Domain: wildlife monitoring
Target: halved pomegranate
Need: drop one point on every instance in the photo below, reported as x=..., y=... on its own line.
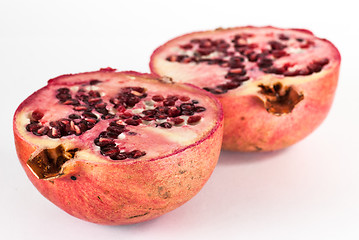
x=118, y=147
x=276, y=85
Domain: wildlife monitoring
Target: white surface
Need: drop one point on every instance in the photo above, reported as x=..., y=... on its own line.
x=308, y=191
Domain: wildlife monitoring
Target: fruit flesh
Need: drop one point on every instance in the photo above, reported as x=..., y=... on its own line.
x=251, y=122
x=209, y=75
x=149, y=136
x=96, y=188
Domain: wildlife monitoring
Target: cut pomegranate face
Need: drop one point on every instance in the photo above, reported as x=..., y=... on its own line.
x=118, y=147
x=276, y=85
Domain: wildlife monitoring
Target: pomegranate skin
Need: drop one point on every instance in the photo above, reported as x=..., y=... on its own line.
x=248, y=125
x=126, y=192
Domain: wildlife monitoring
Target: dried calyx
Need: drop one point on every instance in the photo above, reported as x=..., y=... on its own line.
x=279, y=100
x=48, y=163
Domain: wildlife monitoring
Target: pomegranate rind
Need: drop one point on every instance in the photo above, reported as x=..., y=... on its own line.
x=248, y=125
x=126, y=192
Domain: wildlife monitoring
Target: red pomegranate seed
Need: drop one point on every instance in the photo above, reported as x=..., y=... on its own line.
x=169, y=103
x=77, y=130
x=80, y=108
x=132, y=122
x=186, y=46
x=166, y=125
x=37, y=115
x=136, y=154
x=172, y=58
x=193, y=119
x=184, y=98
x=236, y=70
x=94, y=82
x=174, y=112
x=158, y=98
x=177, y=120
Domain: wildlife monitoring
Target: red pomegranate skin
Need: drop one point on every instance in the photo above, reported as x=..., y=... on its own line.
x=125, y=192
x=248, y=125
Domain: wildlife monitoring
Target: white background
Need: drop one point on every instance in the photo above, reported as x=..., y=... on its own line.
x=308, y=191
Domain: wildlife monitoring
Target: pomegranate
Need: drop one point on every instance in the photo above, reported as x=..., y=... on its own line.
x=118, y=147
x=276, y=85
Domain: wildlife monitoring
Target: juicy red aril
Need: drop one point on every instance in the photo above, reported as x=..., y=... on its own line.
x=158, y=98
x=172, y=98
x=265, y=62
x=199, y=109
x=54, y=133
x=132, y=101
x=132, y=122
x=82, y=108
x=177, y=120
x=186, y=46
x=126, y=115
x=136, y=154
x=119, y=156
x=116, y=129
x=37, y=115
x=184, y=98
x=168, y=103
x=275, y=45
x=63, y=96
x=94, y=82
x=279, y=53
x=229, y=85
x=41, y=131
x=100, y=141
x=109, y=150
x=193, y=119
x=149, y=112
x=283, y=37
x=94, y=94
x=89, y=115
x=166, y=125
x=174, y=112
x=323, y=61
x=63, y=90
x=32, y=127
x=187, y=106
x=148, y=118
x=107, y=116
x=74, y=116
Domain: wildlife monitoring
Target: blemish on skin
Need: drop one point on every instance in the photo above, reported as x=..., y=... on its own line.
x=182, y=171
x=258, y=148
x=73, y=178
x=243, y=118
x=163, y=194
x=140, y=215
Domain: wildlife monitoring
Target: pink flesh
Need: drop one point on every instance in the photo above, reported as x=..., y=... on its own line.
x=155, y=141
x=204, y=75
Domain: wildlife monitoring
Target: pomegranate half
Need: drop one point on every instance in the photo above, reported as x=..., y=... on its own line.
x=118, y=147
x=276, y=85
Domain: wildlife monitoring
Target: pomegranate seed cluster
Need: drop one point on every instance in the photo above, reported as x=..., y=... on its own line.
x=235, y=55
x=90, y=108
